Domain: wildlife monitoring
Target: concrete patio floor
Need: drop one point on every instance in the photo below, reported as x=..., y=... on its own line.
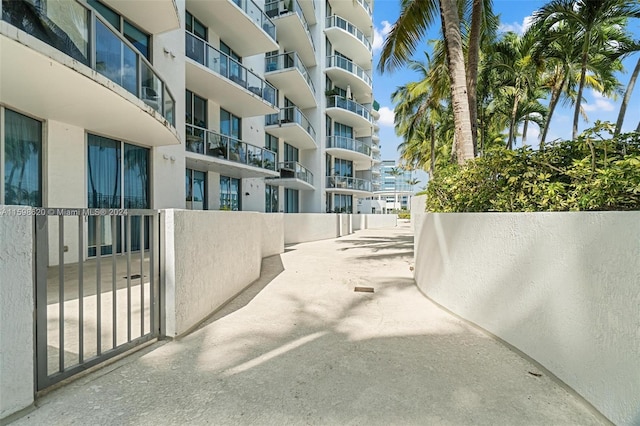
x=301, y=347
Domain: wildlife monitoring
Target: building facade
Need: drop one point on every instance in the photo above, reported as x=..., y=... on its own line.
x=393, y=188
x=219, y=104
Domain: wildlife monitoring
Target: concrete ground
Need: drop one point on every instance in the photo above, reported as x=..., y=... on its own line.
x=301, y=347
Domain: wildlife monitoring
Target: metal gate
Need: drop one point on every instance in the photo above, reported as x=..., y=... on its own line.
x=97, y=287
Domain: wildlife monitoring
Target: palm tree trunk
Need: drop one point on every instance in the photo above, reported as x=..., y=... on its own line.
x=473, y=58
x=513, y=124
x=555, y=97
x=583, y=74
x=432, y=165
x=457, y=74
x=627, y=96
x=525, y=127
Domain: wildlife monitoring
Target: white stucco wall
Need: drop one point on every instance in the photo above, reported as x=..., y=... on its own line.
x=358, y=221
x=381, y=220
x=210, y=257
x=16, y=313
x=301, y=227
x=272, y=234
x=563, y=288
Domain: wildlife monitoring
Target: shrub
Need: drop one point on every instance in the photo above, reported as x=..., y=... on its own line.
x=589, y=173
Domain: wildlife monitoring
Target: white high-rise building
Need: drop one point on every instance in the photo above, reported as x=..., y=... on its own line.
x=199, y=104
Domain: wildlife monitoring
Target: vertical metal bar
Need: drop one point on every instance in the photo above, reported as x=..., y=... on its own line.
x=41, y=262
x=142, y=275
x=128, y=242
x=113, y=285
x=61, y=292
x=152, y=282
x=98, y=285
x=80, y=288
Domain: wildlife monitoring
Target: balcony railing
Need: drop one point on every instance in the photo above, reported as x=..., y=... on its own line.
x=336, y=21
x=259, y=17
x=336, y=101
x=366, y=6
x=350, y=144
x=213, y=144
x=347, y=65
x=345, y=182
x=220, y=63
x=279, y=7
x=288, y=60
x=290, y=115
x=293, y=169
x=91, y=40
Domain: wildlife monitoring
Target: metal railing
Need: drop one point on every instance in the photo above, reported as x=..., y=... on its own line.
x=350, y=144
x=102, y=297
x=288, y=60
x=222, y=64
x=336, y=101
x=338, y=22
x=346, y=182
x=260, y=18
x=290, y=114
x=366, y=6
x=293, y=169
x=349, y=66
x=214, y=144
x=91, y=40
x=276, y=8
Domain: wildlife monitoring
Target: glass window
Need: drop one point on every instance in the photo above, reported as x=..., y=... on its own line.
x=229, y=193
x=114, y=60
x=291, y=204
x=22, y=160
x=230, y=125
x=342, y=203
x=290, y=153
x=136, y=177
x=196, y=189
x=140, y=40
x=271, y=142
x=107, y=13
x=343, y=167
x=271, y=199
x=343, y=130
x=195, y=27
x=196, y=110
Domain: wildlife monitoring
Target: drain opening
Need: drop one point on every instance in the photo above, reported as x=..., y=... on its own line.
x=133, y=277
x=364, y=289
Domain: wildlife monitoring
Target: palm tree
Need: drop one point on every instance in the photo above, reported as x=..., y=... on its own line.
x=627, y=96
x=598, y=28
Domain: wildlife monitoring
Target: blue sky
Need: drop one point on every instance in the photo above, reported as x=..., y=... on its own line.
x=514, y=15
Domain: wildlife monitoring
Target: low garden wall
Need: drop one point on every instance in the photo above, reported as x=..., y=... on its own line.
x=564, y=288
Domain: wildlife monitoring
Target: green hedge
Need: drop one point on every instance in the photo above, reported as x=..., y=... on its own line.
x=590, y=173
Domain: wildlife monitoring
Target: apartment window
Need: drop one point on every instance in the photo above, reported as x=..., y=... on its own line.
x=196, y=189
x=230, y=125
x=291, y=204
x=340, y=129
x=21, y=159
x=271, y=142
x=343, y=167
x=342, y=203
x=196, y=110
x=195, y=27
x=224, y=48
x=117, y=177
x=290, y=153
x=140, y=39
x=271, y=199
x=229, y=193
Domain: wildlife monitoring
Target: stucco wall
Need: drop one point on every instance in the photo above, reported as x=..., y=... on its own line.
x=381, y=220
x=563, y=288
x=272, y=234
x=358, y=221
x=301, y=227
x=210, y=257
x=16, y=312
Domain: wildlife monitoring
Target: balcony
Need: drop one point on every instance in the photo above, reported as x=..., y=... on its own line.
x=287, y=72
x=293, y=31
x=359, y=12
x=293, y=175
x=82, y=72
x=349, y=185
x=161, y=17
x=216, y=76
x=227, y=155
x=345, y=73
x=309, y=9
x=348, y=39
x=292, y=125
x=351, y=113
x=240, y=23
x=355, y=150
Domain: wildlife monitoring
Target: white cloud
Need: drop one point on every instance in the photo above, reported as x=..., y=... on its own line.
x=380, y=35
x=600, y=103
x=517, y=27
x=386, y=117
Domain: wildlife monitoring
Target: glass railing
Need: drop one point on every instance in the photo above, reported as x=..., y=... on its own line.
x=336, y=21
x=286, y=61
x=290, y=115
x=220, y=63
x=86, y=37
x=257, y=15
x=347, y=65
x=293, y=169
x=336, y=101
x=376, y=156
x=345, y=182
x=355, y=145
x=213, y=144
x=366, y=6
x=276, y=8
